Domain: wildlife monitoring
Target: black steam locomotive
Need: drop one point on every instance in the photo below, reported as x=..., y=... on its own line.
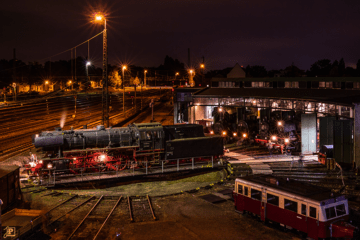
x=118, y=148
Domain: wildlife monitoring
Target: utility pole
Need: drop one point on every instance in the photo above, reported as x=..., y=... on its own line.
x=105, y=80
x=14, y=74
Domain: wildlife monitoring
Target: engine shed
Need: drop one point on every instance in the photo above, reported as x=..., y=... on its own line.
x=10, y=191
x=327, y=115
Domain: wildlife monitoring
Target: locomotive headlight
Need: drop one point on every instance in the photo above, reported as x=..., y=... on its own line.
x=234, y=134
x=32, y=164
x=286, y=140
x=102, y=157
x=211, y=132
x=244, y=135
x=40, y=161
x=49, y=165
x=273, y=138
x=224, y=133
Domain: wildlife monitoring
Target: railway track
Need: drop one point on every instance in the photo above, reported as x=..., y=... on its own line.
x=95, y=214
x=30, y=119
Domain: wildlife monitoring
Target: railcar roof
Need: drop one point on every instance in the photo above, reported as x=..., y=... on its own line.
x=293, y=187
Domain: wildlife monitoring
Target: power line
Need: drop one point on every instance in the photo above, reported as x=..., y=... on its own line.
x=70, y=49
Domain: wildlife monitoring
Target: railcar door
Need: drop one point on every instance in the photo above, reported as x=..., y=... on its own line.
x=263, y=206
x=313, y=222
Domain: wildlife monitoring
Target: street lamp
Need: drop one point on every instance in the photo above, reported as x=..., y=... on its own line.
x=202, y=67
x=122, y=83
x=70, y=83
x=145, y=77
x=191, y=80
x=88, y=63
x=105, y=114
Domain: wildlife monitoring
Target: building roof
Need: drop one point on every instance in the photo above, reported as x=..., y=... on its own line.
x=6, y=169
x=236, y=72
x=288, y=79
x=339, y=96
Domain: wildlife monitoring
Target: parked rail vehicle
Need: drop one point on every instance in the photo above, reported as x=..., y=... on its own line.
x=280, y=131
x=314, y=211
x=104, y=149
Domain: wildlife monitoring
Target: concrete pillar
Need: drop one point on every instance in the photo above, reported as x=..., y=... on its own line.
x=357, y=134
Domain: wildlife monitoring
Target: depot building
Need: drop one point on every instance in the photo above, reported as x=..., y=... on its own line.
x=321, y=101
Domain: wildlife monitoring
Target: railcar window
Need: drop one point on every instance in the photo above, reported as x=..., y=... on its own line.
x=245, y=191
x=303, y=209
x=255, y=194
x=272, y=199
x=290, y=205
x=312, y=212
x=240, y=189
x=148, y=135
x=330, y=212
x=340, y=210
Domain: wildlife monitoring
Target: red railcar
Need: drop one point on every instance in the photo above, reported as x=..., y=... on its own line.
x=312, y=210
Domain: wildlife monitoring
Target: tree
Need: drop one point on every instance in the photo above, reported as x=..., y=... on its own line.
x=320, y=68
x=115, y=79
x=293, y=71
x=256, y=71
x=341, y=67
x=136, y=81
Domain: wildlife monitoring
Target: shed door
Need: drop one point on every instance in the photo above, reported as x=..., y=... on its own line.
x=343, y=141
x=308, y=133
x=327, y=131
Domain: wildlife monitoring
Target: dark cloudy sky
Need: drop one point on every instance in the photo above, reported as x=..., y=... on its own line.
x=256, y=32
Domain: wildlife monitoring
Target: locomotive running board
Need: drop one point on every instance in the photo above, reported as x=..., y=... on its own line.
x=100, y=149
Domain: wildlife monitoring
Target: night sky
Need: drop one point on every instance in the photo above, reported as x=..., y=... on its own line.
x=274, y=34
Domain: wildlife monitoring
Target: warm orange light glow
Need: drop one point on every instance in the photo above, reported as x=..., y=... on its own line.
x=145, y=71
x=273, y=138
x=176, y=74
x=70, y=82
x=98, y=17
x=191, y=71
x=202, y=65
x=46, y=82
x=234, y=134
x=220, y=109
x=286, y=140
x=244, y=135
x=211, y=132
x=124, y=67
x=279, y=123
x=224, y=133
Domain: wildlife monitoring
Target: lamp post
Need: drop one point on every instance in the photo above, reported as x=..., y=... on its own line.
x=175, y=77
x=202, y=67
x=87, y=71
x=145, y=71
x=191, y=80
x=123, y=85
x=105, y=92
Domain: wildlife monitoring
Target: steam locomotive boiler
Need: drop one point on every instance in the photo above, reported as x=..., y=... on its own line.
x=104, y=149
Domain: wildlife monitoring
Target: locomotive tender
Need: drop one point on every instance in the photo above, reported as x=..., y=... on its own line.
x=104, y=149
x=310, y=209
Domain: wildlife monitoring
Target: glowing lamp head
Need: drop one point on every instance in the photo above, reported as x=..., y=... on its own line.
x=224, y=133
x=191, y=71
x=244, y=135
x=144, y=71
x=220, y=109
x=36, y=135
x=202, y=65
x=102, y=157
x=46, y=82
x=287, y=140
x=124, y=68
x=279, y=123
x=176, y=74
x=234, y=134
x=88, y=63
x=70, y=82
x=211, y=132
x=273, y=138
x=99, y=17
